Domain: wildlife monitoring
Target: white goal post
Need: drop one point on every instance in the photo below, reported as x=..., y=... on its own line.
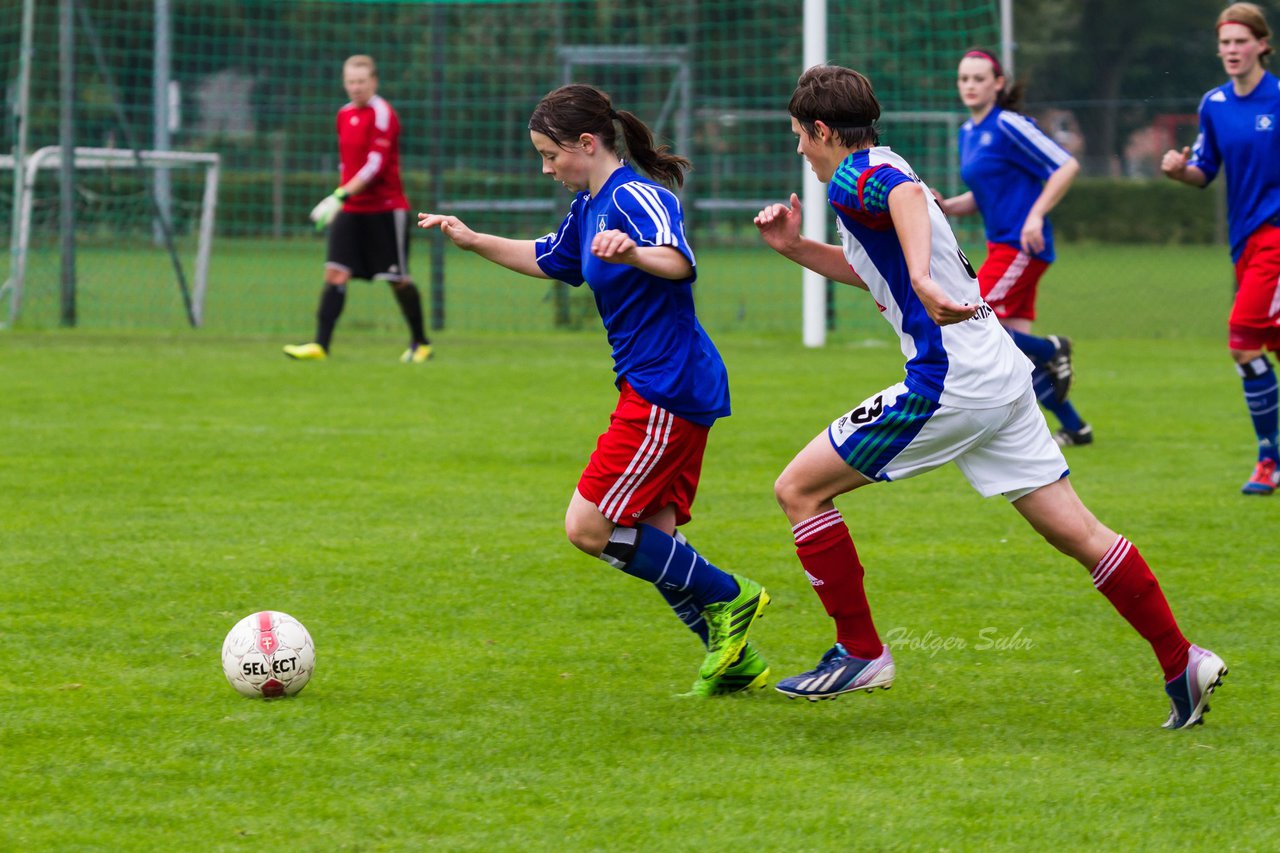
x=50, y=158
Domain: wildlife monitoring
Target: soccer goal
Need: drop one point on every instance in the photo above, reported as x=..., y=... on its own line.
x=131, y=268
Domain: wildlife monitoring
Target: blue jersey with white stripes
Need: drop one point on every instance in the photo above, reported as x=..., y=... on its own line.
x=1241, y=135
x=659, y=346
x=1005, y=160
x=969, y=365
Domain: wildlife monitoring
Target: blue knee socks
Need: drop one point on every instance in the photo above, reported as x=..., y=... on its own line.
x=647, y=553
x=1263, y=399
x=1064, y=411
x=1037, y=349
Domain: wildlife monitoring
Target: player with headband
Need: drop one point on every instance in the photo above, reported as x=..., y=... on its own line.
x=966, y=398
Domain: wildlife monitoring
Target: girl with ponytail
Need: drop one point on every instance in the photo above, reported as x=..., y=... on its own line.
x=624, y=238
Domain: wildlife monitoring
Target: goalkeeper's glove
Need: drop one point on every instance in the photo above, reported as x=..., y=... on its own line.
x=322, y=214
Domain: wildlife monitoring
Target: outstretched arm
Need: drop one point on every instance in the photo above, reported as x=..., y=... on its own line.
x=779, y=225
x=517, y=255
x=907, y=208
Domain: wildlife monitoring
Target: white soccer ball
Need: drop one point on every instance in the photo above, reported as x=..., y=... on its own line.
x=268, y=654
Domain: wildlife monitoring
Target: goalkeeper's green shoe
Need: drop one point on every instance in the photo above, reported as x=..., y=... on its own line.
x=306, y=352
x=751, y=672
x=417, y=354
x=728, y=623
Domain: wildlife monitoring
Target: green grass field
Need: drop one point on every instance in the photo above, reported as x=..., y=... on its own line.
x=272, y=286
x=482, y=686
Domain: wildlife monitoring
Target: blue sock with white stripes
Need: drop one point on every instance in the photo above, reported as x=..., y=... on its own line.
x=1262, y=395
x=686, y=609
x=1037, y=349
x=647, y=553
x=1064, y=411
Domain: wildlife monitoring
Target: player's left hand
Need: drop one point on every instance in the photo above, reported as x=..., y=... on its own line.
x=942, y=310
x=322, y=214
x=1033, y=234
x=614, y=247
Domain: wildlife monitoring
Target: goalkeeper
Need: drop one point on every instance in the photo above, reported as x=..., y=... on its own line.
x=367, y=215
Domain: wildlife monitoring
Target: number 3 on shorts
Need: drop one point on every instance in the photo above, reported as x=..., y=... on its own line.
x=868, y=411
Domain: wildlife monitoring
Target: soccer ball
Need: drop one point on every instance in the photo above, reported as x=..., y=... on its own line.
x=268, y=654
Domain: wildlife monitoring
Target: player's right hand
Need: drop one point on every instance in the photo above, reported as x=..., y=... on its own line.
x=451, y=226
x=1174, y=162
x=779, y=225
x=322, y=214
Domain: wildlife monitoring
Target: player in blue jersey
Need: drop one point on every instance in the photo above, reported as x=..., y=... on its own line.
x=1240, y=132
x=624, y=237
x=1016, y=175
x=966, y=398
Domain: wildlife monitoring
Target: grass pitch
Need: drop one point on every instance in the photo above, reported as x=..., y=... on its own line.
x=260, y=286
x=482, y=686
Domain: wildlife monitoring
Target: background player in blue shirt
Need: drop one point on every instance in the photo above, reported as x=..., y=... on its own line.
x=1016, y=175
x=966, y=399
x=1240, y=132
x=624, y=237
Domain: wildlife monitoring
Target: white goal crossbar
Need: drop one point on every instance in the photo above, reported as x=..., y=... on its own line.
x=50, y=157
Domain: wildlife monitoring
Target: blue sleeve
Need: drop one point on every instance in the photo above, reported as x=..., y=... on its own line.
x=1204, y=154
x=559, y=254
x=874, y=186
x=1031, y=147
x=653, y=216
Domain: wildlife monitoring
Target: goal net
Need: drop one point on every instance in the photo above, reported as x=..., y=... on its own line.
x=141, y=258
x=260, y=82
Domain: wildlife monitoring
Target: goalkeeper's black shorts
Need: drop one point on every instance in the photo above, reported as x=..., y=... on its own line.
x=373, y=246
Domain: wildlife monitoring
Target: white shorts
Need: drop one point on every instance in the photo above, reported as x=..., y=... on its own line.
x=897, y=434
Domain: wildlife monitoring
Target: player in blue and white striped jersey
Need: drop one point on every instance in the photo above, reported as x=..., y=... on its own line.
x=1016, y=174
x=966, y=398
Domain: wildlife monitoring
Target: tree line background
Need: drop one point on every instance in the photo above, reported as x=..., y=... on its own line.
x=259, y=82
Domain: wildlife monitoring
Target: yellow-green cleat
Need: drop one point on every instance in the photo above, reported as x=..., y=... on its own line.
x=306, y=352
x=417, y=354
x=750, y=672
x=728, y=623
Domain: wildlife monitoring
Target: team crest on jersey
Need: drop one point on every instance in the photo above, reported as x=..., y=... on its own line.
x=985, y=138
x=1265, y=121
x=602, y=223
x=355, y=120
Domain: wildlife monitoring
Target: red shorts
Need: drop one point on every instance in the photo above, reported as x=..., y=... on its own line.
x=647, y=459
x=1255, y=316
x=1008, y=280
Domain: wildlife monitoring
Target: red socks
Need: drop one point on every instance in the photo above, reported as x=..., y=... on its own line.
x=826, y=551
x=830, y=560
x=1126, y=580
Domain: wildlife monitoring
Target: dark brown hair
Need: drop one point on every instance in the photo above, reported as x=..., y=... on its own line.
x=570, y=111
x=840, y=98
x=1009, y=97
x=1248, y=15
